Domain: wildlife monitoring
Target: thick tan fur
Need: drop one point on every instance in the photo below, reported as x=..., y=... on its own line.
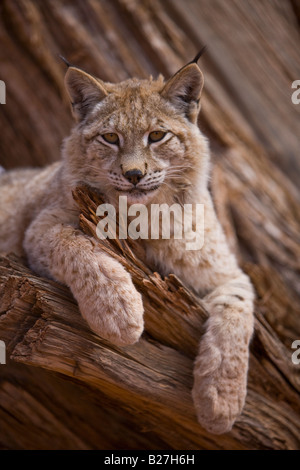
x=39, y=218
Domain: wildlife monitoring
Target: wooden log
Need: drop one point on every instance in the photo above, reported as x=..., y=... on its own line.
x=154, y=377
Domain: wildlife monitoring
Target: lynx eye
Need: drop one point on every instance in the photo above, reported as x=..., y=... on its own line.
x=111, y=138
x=156, y=136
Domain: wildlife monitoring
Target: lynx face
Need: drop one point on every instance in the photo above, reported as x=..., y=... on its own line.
x=138, y=138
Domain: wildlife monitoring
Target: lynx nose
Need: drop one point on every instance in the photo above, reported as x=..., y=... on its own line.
x=134, y=176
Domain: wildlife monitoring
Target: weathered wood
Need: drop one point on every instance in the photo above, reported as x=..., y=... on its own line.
x=139, y=397
x=40, y=411
x=154, y=377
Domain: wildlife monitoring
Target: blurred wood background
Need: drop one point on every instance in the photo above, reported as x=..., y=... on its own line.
x=251, y=61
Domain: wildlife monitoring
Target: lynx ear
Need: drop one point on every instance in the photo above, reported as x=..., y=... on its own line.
x=84, y=91
x=184, y=89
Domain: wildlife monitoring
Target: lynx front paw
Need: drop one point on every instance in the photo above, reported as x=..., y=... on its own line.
x=116, y=316
x=219, y=389
x=112, y=307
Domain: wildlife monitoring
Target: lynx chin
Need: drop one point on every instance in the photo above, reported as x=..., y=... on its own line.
x=140, y=139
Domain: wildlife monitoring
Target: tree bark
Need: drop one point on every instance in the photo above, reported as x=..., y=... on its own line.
x=64, y=387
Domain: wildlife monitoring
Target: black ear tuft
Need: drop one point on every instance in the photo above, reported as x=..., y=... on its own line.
x=197, y=57
x=68, y=64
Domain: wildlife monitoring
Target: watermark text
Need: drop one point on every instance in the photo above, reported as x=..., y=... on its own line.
x=157, y=221
x=2, y=92
x=296, y=354
x=296, y=94
x=2, y=353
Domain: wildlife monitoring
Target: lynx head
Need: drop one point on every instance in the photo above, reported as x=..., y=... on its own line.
x=137, y=138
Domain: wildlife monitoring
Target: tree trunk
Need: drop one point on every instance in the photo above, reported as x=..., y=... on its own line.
x=64, y=387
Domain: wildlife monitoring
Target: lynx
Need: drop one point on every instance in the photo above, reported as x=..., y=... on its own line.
x=137, y=138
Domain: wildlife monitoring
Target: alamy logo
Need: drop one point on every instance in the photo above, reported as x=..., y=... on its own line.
x=2, y=92
x=296, y=94
x=2, y=353
x=296, y=354
x=136, y=222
